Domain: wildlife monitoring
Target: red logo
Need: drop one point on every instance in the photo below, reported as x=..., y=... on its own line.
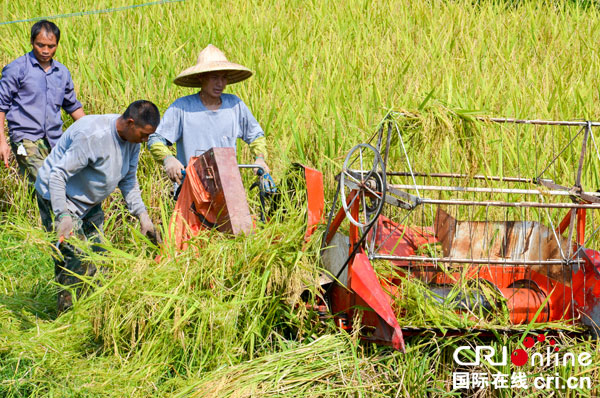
x=519, y=357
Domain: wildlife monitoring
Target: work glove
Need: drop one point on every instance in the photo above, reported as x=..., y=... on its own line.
x=147, y=228
x=267, y=184
x=64, y=228
x=173, y=168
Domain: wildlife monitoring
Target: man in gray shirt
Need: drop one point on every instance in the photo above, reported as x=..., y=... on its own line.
x=94, y=156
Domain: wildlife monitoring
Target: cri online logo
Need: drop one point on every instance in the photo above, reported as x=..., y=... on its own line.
x=520, y=357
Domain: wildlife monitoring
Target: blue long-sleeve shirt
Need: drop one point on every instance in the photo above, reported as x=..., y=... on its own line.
x=31, y=98
x=196, y=129
x=87, y=164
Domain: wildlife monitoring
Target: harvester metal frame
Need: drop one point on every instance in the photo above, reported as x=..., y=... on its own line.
x=364, y=189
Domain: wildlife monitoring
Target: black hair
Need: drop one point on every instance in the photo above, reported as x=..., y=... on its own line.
x=46, y=25
x=143, y=113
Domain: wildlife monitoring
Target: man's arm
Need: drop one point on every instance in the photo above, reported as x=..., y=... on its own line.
x=161, y=153
x=4, y=147
x=130, y=188
x=75, y=159
x=253, y=135
x=78, y=114
x=168, y=132
x=9, y=85
x=70, y=103
x=258, y=148
x=158, y=147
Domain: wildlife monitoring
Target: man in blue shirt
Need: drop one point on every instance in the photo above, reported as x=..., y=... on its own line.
x=33, y=88
x=209, y=118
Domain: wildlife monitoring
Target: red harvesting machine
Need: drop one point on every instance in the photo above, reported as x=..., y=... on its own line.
x=514, y=239
x=522, y=244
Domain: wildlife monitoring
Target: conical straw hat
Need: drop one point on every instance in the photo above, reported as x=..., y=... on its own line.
x=212, y=59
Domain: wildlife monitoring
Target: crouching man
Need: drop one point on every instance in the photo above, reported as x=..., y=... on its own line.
x=95, y=155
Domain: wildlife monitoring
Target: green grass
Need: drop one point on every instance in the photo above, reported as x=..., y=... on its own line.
x=227, y=320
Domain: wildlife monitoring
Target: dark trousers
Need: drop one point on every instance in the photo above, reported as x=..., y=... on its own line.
x=68, y=264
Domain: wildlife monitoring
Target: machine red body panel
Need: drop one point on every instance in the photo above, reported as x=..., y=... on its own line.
x=574, y=297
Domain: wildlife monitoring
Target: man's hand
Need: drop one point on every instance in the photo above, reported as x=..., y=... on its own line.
x=4, y=147
x=64, y=228
x=173, y=168
x=267, y=184
x=147, y=228
x=261, y=162
x=4, y=151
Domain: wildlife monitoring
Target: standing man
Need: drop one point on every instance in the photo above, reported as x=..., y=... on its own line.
x=96, y=154
x=33, y=88
x=208, y=118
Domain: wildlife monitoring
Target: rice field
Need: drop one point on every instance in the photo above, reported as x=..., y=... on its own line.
x=227, y=319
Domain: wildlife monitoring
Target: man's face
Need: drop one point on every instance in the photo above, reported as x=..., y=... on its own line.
x=138, y=134
x=213, y=84
x=44, y=46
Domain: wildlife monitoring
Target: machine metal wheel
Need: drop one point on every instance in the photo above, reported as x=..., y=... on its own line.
x=363, y=171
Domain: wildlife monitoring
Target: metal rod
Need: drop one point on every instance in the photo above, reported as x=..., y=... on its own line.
x=387, y=144
x=455, y=175
x=554, y=230
x=590, y=197
x=252, y=166
x=560, y=153
x=379, y=138
x=407, y=159
x=578, y=183
x=538, y=122
x=595, y=146
x=490, y=190
x=472, y=260
x=507, y=204
x=586, y=136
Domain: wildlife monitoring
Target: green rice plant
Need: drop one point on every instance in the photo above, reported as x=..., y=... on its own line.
x=325, y=74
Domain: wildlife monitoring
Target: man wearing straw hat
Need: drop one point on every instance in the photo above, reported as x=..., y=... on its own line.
x=208, y=118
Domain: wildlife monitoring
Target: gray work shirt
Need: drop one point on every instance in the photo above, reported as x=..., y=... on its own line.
x=196, y=129
x=31, y=98
x=87, y=164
